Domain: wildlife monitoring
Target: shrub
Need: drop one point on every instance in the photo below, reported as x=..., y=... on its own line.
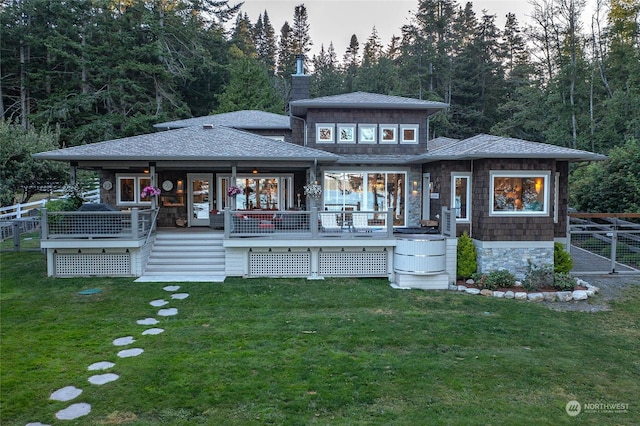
x=563, y=281
x=538, y=277
x=496, y=279
x=61, y=205
x=562, y=261
x=466, y=257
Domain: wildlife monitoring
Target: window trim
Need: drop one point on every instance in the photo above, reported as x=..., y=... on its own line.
x=330, y=126
x=373, y=128
x=346, y=126
x=415, y=128
x=467, y=176
x=387, y=127
x=137, y=189
x=544, y=174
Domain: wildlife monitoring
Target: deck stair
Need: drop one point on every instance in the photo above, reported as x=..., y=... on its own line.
x=179, y=256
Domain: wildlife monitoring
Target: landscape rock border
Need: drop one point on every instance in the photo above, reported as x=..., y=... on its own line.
x=587, y=290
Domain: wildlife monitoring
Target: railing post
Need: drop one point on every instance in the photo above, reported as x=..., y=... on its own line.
x=389, y=222
x=135, y=217
x=19, y=211
x=16, y=234
x=614, y=245
x=44, y=224
x=314, y=222
x=227, y=222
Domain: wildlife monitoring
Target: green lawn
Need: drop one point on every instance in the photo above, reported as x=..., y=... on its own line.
x=300, y=352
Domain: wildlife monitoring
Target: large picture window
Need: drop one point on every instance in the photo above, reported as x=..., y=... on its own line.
x=461, y=196
x=519, y=193
x=129, y=190
x=366, y=191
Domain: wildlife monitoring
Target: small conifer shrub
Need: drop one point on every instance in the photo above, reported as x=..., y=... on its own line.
x=562, y=261
x=466, y=257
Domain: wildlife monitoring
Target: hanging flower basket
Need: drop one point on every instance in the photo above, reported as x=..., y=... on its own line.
x=150, y=191
x=313, y=190
x=233, y=191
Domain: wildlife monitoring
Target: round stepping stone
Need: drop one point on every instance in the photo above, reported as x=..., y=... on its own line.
x=158, y=303
x=148, y=321
x=171, y=288
x=123, y=341
x=168, y=312
x=37, y=424
x=102, y=365
x=74, y=411
x=101, y=379
x=67, y=393
x=153, y=331
x=180, y=296
x=127, y=353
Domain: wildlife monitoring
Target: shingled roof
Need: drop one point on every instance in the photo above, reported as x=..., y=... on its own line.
x=489, y=146
x=245, y=119
x=365, y=100
x=191, y=143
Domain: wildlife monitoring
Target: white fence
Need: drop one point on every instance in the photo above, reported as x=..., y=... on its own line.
x=18, y=211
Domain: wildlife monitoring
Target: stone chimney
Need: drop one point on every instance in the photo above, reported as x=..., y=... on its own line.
x=300, y=82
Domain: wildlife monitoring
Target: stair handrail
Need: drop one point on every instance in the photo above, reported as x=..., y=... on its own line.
x=153, y=225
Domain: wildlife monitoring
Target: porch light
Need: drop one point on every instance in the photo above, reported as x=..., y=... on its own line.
x=255, y=171
x=179, y=186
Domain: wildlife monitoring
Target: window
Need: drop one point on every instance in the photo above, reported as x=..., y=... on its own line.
x=518, y=193
x=258, y=192
x=367, y=133
x=461, y=196
x=409, y=133
x=366, y=191
x=346, y=133
x=389, y=133
x=325, y=133
x=129, y=189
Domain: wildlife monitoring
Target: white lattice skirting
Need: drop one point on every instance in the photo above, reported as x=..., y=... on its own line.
x=353, y=262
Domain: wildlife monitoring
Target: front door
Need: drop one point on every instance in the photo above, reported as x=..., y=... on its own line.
x=200, y=197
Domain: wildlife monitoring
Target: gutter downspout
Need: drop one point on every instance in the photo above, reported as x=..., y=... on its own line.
x=305, y=127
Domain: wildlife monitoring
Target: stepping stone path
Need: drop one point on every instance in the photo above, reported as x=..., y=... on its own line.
x=68, y=393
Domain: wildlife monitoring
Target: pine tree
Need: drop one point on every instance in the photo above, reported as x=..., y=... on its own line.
x=249, y=87
x=350, y=63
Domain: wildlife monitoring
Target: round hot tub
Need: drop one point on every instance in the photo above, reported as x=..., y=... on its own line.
x=420, y=254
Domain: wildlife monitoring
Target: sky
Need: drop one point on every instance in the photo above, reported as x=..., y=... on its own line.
x=336, y=20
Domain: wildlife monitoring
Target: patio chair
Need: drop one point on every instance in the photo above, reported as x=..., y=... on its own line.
x=329, y=222
x=361, y=222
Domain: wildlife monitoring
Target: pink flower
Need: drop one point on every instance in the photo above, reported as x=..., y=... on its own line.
x=150, y=191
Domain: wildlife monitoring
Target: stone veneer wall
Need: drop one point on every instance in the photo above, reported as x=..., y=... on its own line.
x=513, y=257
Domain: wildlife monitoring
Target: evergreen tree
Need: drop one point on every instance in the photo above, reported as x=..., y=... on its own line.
x=242, y=35
x=350, y=63
x=249, y=87
x=327, y=78
x=300, y=39
x=265, y=42
x=286, y=55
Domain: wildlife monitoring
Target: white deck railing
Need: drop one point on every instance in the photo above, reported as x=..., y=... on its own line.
x=131, y=225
